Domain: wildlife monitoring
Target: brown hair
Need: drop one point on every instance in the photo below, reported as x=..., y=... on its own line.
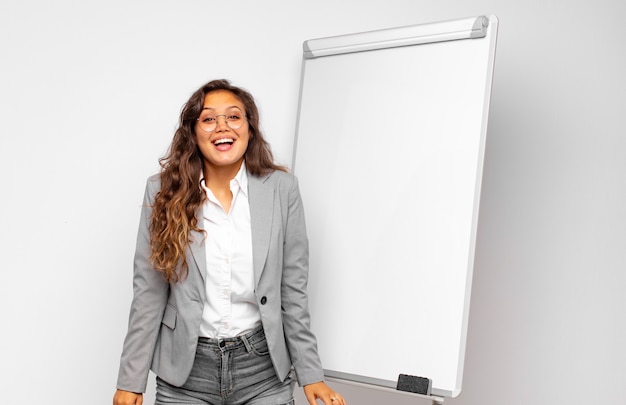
x=180, y=197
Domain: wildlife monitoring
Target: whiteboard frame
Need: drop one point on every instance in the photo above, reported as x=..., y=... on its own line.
x=468, y=28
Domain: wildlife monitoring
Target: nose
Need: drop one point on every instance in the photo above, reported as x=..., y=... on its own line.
x=221, y=125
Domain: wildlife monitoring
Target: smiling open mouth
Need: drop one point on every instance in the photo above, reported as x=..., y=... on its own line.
x=222, y=141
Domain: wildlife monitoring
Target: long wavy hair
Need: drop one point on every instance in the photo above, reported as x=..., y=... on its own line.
x=174, y=214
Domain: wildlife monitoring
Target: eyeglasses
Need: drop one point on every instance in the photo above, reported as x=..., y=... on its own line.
x=208, y=120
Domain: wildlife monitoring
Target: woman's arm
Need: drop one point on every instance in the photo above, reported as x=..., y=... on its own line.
x=296, y=318
x=150, y=293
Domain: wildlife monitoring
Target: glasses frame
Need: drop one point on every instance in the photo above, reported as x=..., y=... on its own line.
x=245, y=118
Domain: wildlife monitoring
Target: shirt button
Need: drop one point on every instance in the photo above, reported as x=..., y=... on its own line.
x=263, y=300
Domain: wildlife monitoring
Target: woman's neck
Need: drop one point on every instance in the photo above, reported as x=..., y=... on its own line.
x=217, y=178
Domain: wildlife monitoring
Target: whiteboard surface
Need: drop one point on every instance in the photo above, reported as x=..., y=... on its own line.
x=389, y=154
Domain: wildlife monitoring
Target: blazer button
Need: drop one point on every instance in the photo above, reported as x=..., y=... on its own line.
x=263, y=300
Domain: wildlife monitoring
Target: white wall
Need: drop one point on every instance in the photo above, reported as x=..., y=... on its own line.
x=89, y=96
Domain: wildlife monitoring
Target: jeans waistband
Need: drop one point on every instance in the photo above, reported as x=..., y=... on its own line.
x=233, y=342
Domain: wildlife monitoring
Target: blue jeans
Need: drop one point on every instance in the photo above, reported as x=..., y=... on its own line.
x=235, y=371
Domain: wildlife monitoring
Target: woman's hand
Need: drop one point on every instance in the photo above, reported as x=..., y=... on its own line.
x=322, y=391
x=127, y=398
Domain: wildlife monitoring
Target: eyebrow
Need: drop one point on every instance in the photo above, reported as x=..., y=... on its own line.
x=228, y=108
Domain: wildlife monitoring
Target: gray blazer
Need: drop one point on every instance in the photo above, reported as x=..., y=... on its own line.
x=165, y=318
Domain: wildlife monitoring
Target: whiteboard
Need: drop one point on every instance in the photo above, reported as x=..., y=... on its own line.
x=389, y=153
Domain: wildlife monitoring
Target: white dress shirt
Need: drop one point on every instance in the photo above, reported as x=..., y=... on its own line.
x=231, y=306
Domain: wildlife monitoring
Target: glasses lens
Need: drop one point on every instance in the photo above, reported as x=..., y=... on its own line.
x=208, y=121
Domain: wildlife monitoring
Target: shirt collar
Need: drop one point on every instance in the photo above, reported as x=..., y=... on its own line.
x=241, y=179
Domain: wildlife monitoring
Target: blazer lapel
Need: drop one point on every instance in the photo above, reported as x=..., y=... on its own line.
x=261, y=199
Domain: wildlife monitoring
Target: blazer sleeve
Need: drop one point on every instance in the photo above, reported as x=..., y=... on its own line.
x=301, y=341
x=150, y=292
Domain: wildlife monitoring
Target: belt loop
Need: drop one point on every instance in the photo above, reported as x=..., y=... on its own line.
x=244, y=339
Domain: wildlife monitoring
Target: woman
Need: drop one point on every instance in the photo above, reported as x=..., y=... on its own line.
x=220, y=310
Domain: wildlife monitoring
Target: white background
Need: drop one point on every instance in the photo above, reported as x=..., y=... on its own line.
x=89, y=97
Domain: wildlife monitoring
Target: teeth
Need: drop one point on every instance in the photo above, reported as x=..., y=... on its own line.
x=223, y=140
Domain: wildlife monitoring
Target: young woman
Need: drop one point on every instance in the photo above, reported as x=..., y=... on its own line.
x=220, y=310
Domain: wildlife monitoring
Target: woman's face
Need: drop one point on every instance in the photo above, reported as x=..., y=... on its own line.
x=222, y=131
